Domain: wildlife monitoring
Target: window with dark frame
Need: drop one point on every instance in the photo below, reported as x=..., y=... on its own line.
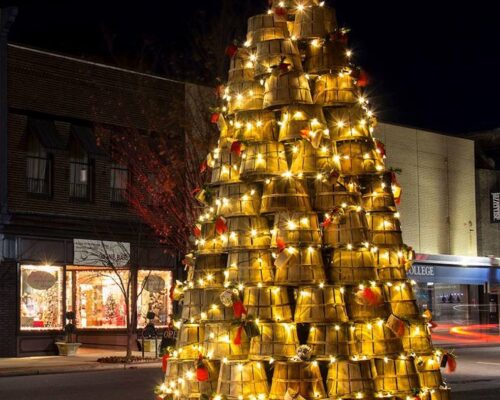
x=38, y=168
x=118, y=183
x=80, y=173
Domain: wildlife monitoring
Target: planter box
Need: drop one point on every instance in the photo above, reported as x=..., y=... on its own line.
x=67, y=349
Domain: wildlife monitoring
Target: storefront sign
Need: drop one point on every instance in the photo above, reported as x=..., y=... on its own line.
x=421, y=270
x=495, y=207
x=154, y=284
x=41, y=280
x=101, y=253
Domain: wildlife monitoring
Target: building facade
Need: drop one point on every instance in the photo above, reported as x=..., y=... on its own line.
x=63, y=202
x=438, y=215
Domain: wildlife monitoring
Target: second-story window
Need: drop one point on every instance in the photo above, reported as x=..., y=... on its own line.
x=38, y=168
x=80, y=172
x=118, y=183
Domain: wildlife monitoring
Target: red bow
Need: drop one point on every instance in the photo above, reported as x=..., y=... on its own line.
x=220, y=225
x=236, y=147
x=214, y=117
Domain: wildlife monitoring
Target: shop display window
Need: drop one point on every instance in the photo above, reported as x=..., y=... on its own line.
x=153, y=295
x=100, y=302
x=41, y=297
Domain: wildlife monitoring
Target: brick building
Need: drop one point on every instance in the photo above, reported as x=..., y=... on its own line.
x=61, y=194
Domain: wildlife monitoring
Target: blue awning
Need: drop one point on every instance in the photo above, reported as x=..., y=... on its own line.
x=445, y=269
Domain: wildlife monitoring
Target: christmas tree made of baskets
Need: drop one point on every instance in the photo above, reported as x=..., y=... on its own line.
x=298, y=287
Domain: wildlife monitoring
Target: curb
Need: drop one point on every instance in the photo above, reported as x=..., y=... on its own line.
x=76, y=369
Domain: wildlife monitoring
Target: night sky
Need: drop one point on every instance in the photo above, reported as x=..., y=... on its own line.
x=433, y=64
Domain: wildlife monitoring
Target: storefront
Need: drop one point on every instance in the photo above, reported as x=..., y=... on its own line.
x=458, y=290
x=95, y=292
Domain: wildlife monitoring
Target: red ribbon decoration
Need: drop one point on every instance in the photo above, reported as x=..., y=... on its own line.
x=231, y=50
x=220, y=225
x=164, y=363
x=363, y=79
x=236, y=147
x=214, y=118
x=380, y=147
x=202, y=374
x=280, y=242
x=326, y=222
x=203, y=166
x=238, y=309
x=237, y=337
x=197, y=230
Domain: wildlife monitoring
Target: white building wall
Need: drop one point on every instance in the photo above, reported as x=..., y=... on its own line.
x=438, y=207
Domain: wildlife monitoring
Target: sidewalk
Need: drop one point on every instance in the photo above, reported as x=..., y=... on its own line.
x=86, y=360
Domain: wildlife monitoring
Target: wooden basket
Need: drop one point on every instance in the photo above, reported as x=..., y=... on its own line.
x=268, y=303
x=261, y=160
x=208, y=262
x=328, y=196
x=391, y=263
x=173, y=372
x=320, y=304
x=276, y=340
x=189, y=341
x=385, y=229
x=190, y=387
x=219, y=341
x=239, y=380
x=245, y=96
x=402, y=300
x=440, y=394
x=321, y=59
x=206, y=301
x=373, y=339
x=285, y=194
x=226, y=167
x=331, y=90
x=357, y=157
x=429, y=371
x=291, y=5
x=359, y=312
x=351, y=266
x=299, y=117
x=256, y=126
x=329, y=340
x=248, y=233
x=307, y=160
x=347, y=123
x=395, y=376
x=348, y=378
x=303, y=378
x=314, y=22
x=265, y=27
x=238, y=200
x=351, y=228
x=417, y=337
x=377, y=193
x=304, y=267
x=286, y=88
x=209, y=241
x=241, y=68
x=250, y=266
x=273, y=52
x=210, y=268
x=296, y=229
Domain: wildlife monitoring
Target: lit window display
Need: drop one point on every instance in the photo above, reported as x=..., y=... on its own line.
x=153, y=295
x=99, y=300
x=41, y=297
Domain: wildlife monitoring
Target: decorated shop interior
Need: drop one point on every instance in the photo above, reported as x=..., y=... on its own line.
x=95, y=289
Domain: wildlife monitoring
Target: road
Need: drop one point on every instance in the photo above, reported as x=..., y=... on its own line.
x=129, y=384
x=477, y=377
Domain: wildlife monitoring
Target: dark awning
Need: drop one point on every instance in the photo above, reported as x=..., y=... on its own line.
x=87, y=139
x=46, y=132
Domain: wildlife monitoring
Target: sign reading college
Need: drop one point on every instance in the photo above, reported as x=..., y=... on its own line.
x=101, y=253
x=495, y=207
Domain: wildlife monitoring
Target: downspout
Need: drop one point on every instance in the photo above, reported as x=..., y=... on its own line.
x=7, y=18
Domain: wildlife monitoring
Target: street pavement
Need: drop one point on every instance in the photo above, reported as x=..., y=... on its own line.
x=477, y=377
x=129, y=384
